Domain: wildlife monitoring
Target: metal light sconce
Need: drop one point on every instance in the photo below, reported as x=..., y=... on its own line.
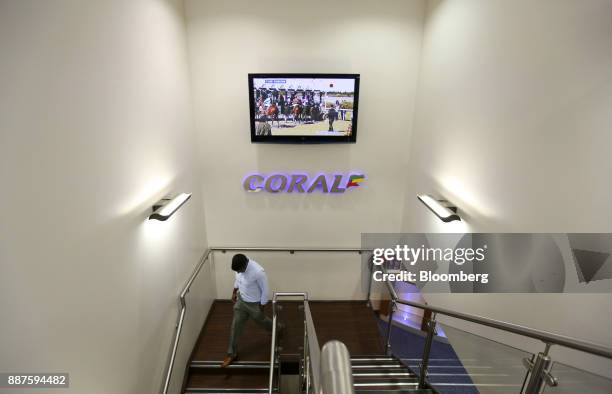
x=440, y=208
x=166, y=207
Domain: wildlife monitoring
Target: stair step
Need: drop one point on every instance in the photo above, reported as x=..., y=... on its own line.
x=395, y=391
x=382, y=374
x=409, y=383
x=217, y=380
x=477, y=380
x=392, y=361
x=379, y=371
x=372, y=358
x=386, y=379
x=234, y=365
x=210, y=390
x=387, y=383
x=484, y=367
x=413, y=384
x=409, y=360
x=378, y=366
x=247, y=373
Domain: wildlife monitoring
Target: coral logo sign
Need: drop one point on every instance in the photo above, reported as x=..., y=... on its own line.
x=302, y=183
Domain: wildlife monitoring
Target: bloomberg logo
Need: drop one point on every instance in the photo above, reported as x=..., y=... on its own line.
x=302, y=183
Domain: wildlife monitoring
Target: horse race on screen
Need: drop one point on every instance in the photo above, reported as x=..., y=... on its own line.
x=303, y=106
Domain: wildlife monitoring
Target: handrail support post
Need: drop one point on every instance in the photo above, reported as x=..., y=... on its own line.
x=272, y=347
x=370, y=274
x=539, y=372
x=427, y=350
x=305, y=378
x=393, y=306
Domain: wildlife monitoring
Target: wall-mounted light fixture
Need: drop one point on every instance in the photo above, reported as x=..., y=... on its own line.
x=166, y=207
x=441, y=208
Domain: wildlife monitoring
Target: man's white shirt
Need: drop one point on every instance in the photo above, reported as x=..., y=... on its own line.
x=252, y=283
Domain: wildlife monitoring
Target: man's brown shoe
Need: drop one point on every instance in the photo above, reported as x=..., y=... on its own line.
x=227, y=361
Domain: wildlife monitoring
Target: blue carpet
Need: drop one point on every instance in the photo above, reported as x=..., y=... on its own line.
x=408, y=347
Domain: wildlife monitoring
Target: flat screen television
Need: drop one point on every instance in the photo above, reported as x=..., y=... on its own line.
x=304, y=108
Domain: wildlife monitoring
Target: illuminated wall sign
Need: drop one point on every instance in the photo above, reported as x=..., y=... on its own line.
x=302, y=183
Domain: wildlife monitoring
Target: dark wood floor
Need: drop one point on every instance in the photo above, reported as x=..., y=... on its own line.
x=351, y=322
x=218, y=378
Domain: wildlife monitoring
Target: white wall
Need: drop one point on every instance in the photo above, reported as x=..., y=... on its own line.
x=228, y=40
x=513, y=125
x=324, y=276
x=96, y=126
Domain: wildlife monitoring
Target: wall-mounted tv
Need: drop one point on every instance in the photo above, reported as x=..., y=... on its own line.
x=304, y=108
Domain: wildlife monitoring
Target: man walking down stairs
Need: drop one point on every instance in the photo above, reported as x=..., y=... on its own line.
x=250, y=295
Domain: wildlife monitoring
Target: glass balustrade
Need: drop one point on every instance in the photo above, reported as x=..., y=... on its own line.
x=573, y=380
x=490, y=366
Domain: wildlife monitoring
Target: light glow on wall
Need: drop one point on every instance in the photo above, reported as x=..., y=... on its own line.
x=461, y=193
x=148, y=193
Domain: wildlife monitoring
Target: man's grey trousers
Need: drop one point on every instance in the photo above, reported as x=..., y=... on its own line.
x=242, y=312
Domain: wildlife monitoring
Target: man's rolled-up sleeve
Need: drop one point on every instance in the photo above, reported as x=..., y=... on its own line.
x=262, y=282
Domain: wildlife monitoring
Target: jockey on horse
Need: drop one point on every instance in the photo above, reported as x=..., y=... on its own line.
x=273, y=113
x=297, y=109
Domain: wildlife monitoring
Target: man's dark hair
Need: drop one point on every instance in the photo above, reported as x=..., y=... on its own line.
x=239, y=262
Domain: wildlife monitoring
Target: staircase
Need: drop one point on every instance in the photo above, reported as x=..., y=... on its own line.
x=246, y=377
x=385, y=375
x=334, y=320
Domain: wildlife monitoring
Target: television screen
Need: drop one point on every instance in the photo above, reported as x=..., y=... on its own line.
x=304, y=108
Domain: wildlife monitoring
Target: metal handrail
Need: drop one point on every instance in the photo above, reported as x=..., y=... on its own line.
x=314, y=350
x=272, y=353
x=181, y=318
x=544, y=336
x=275, y=297
x=336, y=372
x=285, y=249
